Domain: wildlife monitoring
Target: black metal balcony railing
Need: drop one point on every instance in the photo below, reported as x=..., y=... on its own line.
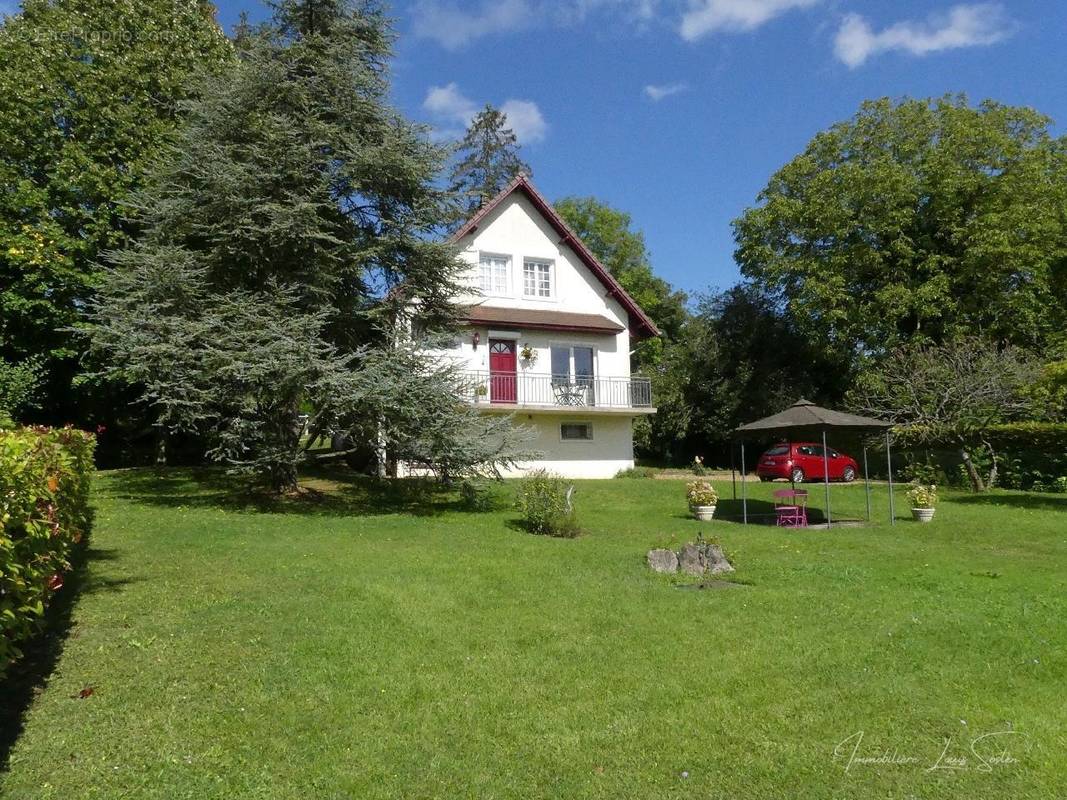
x=556, y=390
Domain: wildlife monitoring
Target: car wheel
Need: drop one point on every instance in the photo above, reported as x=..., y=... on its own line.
x=797, y=476
x=848, y=475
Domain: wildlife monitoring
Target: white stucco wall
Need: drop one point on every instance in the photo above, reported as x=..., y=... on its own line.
x=611, y=450
x=516, y=230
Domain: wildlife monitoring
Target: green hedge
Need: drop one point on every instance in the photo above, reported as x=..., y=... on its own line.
x=1047, y=437
x=1030, y=455
x=44, y=512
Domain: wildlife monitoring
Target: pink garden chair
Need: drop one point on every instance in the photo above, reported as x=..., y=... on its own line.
x=791, y=508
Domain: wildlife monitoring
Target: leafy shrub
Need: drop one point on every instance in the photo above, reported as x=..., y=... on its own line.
x=44, y=512
x=925, y=472
x=545, y=507
x=923, y=495
x=636, y=472
x=698, y=466
x=476, y=496
x=701, y=493
x=18, y=384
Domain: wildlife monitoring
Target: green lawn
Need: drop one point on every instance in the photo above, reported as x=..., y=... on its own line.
x=343, y=649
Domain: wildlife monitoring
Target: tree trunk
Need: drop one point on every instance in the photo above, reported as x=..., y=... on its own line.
x=161, y=447
x=283, y=478
x=972, y=471
x=994, y=473
x=282, y=471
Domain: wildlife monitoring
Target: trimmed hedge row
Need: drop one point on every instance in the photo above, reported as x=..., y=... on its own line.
x=1046, y=437
x=1030, y=455
x=44, y=512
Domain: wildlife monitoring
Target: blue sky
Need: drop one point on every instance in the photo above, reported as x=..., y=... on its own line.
x=678, y=111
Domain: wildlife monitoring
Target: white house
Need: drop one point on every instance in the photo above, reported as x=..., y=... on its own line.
x=547, y=337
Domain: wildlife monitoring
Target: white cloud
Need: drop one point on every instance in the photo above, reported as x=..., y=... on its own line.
x=454, y=110
x=525, y=118
x=965, y=25
x=454, y=28
x=709, y=16
x=454, y=24
x=449, y=103
x=657, y=93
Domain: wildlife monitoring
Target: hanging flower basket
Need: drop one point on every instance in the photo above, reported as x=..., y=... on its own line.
x=529, y=354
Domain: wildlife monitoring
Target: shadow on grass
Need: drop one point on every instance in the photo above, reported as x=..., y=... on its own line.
x=29, y=675
x=522, y=526
x=760, y=512
x=1029, y=500
x=329, y=492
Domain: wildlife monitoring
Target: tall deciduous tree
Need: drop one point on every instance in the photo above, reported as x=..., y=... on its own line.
x=949, y=392
x=738, y=358
x=89, y=91
x=294, y=222
x=921, y=220
x=609, y=233
x=487, y=160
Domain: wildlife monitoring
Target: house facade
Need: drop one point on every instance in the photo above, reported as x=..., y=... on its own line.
x=547, y=336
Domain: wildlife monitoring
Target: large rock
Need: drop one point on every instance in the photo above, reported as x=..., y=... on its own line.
x=662, y=560
x=716, y=560
x=691, y=560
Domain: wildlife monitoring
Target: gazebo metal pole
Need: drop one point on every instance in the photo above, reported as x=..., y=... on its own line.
x=826, y=475
x=889, y=462
x=867, y=482
x=733, y=469
x=744, y=485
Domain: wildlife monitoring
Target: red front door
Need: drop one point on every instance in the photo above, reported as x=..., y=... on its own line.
x=502, y=363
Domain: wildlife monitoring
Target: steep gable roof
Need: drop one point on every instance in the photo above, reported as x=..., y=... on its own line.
x=640, y=324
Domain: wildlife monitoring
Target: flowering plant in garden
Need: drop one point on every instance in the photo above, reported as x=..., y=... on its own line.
x=698, y=465
x=923, y=496
x=701, y=493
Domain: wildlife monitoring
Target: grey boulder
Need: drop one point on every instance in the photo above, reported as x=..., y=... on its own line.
x=716, y=560
x=691, y=560
x=662, y=560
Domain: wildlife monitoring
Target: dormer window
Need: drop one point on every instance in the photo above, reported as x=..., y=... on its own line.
x=493, y=275
x=537, y=278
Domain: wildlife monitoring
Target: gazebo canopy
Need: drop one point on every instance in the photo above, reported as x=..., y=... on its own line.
x=805, y=414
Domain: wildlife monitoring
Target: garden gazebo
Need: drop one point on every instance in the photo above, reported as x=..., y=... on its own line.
x=806, y=418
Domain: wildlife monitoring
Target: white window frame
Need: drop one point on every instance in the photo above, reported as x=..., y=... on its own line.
x=540, y=262
x=483, y=256
x=557, y=345
x=587, y=422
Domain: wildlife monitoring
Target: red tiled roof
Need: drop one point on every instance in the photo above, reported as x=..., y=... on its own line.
x=538, y=319
x=640, y=324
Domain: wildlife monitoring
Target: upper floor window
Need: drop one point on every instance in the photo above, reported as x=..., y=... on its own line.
x=537, y=278
x=493, y=274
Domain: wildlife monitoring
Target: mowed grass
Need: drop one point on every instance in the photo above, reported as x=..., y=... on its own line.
x=346, y=649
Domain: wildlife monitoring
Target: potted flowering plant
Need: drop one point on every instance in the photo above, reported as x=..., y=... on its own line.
x=923, y=500
x=702, y=499
x=481, y=393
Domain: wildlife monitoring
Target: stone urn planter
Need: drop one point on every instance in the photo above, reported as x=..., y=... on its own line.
x=703, y=513
x=923, y=499
x=702, y=499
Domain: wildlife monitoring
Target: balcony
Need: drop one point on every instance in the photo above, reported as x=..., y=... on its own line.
x=557, y=393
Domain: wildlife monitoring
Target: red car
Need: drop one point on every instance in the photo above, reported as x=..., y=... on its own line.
x=802, y=461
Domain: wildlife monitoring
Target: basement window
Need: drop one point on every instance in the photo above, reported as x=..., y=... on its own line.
x=576, y=432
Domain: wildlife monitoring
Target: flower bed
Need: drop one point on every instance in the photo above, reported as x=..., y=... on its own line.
x=44, y=512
